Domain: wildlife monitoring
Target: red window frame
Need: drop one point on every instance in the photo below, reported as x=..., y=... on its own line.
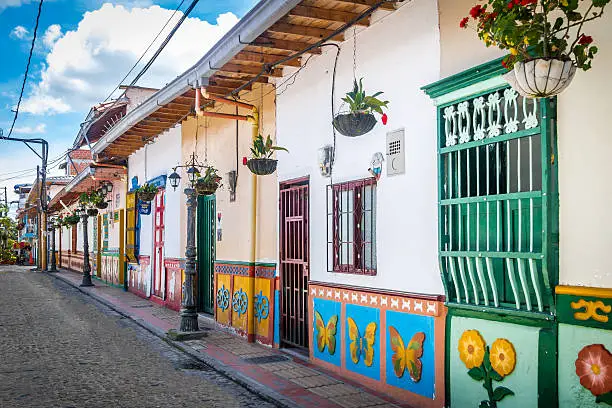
x=360, y=244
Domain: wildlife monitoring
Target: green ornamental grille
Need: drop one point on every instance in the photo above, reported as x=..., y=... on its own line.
x=498, y=202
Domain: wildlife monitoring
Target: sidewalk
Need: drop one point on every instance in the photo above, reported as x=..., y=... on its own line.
x=270, y=373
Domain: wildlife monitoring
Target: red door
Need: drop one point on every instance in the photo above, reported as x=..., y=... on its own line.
x=158, y=246
x=294, y=259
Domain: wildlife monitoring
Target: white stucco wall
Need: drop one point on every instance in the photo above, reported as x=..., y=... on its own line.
x=397, y=54
x=584, y=143
x=161, y=155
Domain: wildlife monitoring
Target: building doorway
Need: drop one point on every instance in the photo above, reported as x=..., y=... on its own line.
x=206, y=253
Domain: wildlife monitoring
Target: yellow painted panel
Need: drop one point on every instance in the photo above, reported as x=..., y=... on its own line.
x=264, y=307
x=241, y=291
x=223, y=310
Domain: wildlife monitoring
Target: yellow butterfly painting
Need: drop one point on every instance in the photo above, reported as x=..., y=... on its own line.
x=326, y=334
x=407, y=358
x=362, y=344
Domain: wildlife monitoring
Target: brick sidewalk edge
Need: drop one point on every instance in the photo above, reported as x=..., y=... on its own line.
x=229, y=372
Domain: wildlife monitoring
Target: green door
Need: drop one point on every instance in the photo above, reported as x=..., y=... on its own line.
x=206, y=253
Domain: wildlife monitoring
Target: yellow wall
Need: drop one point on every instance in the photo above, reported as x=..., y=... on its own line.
x=218, y=143
x=584, y=143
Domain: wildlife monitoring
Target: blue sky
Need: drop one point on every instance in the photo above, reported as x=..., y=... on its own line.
x=83, y=49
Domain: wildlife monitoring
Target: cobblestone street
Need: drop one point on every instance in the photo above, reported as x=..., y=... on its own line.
x=59, y=350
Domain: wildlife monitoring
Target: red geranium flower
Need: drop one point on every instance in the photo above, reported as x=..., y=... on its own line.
x=464, y=22
x=244, y=161
x=510, y=5
x=528, y=2
x=594, y=367
x=384, y=118
x=585, y=39
x=476, y=11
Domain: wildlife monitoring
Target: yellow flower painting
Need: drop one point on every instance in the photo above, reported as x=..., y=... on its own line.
x=471, y=348
x=503, y=357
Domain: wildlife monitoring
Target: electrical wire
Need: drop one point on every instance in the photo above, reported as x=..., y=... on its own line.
x=25, y=77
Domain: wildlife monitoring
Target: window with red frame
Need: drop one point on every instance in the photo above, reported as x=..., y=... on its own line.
x=351, y=227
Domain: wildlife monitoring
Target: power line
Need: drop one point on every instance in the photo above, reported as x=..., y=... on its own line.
x=25, y=77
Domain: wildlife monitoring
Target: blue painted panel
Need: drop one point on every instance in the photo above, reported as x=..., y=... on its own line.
x=276, y=318
x=363, y=316
x=159, y=181
x=407, y=325
x=327, y=309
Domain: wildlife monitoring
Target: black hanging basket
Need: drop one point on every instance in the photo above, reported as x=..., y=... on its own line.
x=147, y=196
x=354, y=123
x=102, y=205
x=203, y=188
x=262, y=167
x=92, y=212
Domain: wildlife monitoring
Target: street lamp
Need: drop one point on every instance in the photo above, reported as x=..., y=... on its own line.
x=82, y=212
x=51, y=228
x=189, y=315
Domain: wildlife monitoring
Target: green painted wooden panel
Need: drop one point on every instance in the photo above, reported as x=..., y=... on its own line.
x=206, y=243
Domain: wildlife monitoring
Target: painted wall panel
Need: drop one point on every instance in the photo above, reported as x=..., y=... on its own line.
x=327, y=334
x=364, y=342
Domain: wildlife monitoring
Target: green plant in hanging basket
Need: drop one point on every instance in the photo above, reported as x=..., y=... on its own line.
x=91, y=199
x=209, y=182
x=543, y=38
x=261, y=161
x=360, y=119
x=71, y=219
x=147, y=192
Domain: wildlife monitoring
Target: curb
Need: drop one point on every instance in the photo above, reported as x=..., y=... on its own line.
x=225, y=370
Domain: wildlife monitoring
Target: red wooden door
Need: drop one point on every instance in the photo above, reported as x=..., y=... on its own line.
x=294, y=258
x=158, y=246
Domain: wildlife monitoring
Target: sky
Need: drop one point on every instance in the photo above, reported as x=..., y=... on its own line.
x=83, y=49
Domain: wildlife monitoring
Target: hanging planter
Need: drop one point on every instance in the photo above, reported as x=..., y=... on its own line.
x=261, y=162
x=102, y=205
x=92, y=212
x=147, y=192
x=543, y=54
x=360, y=119
x=72, y=219
x=209, y=183
x=20, y=226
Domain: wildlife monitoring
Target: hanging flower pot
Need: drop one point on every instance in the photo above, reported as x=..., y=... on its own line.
x=262, y=167
x=261, y=163
x=147, y=192
x=360, y=119
x=72, y=219
x=355, y=123
x=544, y=40
x=541, y=77
x=102, y=205
x=92, y=212
x=20, y=226
x=209, y=183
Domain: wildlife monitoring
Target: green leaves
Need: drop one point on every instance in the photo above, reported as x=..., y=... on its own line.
x=476, y=373
x=263, y=149
x=605, y=398
x=358, y=101
x=500, y=393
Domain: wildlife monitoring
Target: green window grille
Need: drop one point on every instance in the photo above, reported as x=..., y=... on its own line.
x=498, y=202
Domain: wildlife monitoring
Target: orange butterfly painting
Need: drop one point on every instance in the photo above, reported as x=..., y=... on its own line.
x=407, y=358
x=362, y=345
x=326, y=334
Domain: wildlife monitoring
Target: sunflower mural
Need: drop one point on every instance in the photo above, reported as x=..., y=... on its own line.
x=594, y=368
x=488, y=364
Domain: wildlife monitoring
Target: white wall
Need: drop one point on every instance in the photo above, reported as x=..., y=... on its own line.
x=397, y=54
x=161, y=155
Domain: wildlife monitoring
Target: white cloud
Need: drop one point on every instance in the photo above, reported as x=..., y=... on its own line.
x=53, y=33
x=28, y=130
x=19, y=32
x=12, y=3
x=84, y=65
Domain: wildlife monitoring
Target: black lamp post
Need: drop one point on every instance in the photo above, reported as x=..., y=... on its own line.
x=51, y=227
x=82, y=212
x=189, y=315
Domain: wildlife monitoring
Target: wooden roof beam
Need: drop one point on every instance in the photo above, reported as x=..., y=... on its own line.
x=285, y=45
x=248, y=56
x=250, y=69
x=369, y=3
x=328, y=15
x=228, y=83
x=219, y=90
x=304, y=31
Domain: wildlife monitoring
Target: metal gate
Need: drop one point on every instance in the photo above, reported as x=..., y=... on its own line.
x=158, y=250
x=294, y=258
x=206, y=253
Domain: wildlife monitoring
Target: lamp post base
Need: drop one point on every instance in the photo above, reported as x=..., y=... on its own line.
x=189, y=320
x=86, y=281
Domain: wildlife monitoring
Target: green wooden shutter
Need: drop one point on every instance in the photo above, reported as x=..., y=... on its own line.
x=206, y=252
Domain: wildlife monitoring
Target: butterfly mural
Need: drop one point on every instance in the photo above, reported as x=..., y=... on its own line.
x=407, y=358
x=362, y=345
x=326, y=334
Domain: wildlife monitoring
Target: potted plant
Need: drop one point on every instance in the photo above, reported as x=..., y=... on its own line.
x=209, y=183
x=92, y=212
x=20, y=226
x=72, y=219
x=360, y=119
x=261, y=162
x=544, y=39
x=147, y=192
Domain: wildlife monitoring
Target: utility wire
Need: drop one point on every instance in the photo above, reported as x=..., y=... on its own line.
x=25, y=77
